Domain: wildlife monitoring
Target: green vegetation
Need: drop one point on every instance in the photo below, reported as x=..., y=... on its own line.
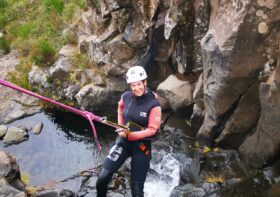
x=21, y=76
x=81, y=61
x=34, y=28
x=4, y=46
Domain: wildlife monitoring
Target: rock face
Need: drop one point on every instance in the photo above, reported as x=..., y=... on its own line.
x=11, y=106
x=239, y=42
x=262, y=146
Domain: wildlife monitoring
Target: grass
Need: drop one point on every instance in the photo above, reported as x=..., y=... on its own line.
x=81, y=61
x=4, y=46
x=34, y=28
x=20, y=77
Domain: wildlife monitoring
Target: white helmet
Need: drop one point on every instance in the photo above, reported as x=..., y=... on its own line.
x=135, y=73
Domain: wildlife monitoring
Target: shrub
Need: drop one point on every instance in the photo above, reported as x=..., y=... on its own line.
x=3, y=4
x=21, y=31
x=80, y=61
x=4, y=46
x=20, y=75
x=43, y=54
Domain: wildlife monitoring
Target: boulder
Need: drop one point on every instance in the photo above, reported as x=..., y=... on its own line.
x=95, y=98
x=61, y=68
x=15, y=135
x=177, y=92
x=38, y=128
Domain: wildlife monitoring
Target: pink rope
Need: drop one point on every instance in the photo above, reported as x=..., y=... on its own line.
x=88, y=115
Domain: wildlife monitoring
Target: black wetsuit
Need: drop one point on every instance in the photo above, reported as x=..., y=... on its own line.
x=136, y=110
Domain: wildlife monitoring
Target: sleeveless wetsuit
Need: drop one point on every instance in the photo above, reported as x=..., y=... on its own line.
x=137, y=110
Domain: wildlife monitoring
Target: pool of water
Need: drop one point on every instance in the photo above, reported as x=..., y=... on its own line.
x=64, y=147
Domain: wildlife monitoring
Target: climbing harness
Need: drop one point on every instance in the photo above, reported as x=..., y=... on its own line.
x=87, y=115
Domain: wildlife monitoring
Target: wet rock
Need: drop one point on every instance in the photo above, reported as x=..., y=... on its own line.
x=177, y=92
x=55, y=193
x=14, y=116
x=3, y=130
x=8, y=191
x=210, y=187
x=38, y=128
x=61, y=68
x=39, y=76
x=15, y=135
x=9, y=174
x=197, y=117
x=188, y=190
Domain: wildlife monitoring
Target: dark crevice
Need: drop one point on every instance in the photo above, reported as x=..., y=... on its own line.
x=226, y=116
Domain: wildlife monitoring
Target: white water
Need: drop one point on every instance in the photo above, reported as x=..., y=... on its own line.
x=165, y=177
